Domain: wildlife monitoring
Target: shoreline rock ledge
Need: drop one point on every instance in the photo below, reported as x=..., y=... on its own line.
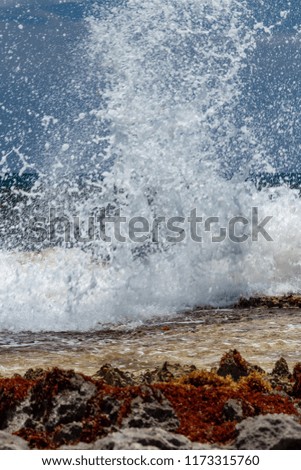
x=236, y=405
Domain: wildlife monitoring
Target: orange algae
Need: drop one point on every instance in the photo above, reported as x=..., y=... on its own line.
x=199, y=400
x=200, y=378
x=199, y=403
x=256, y=382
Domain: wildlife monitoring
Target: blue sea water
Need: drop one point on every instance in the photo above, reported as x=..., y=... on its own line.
x=158, y=108
x=43, y=73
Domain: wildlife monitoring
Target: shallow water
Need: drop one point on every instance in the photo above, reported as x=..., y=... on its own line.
x=201, y=337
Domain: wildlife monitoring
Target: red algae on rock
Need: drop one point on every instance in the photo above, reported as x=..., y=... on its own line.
x=233, y=364
x=56, y=407
x=12, y=392
x=200, y=409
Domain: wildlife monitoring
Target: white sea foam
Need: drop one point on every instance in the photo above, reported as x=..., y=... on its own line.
x=172, y=101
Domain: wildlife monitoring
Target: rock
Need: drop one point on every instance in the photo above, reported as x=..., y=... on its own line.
x=151, y=410
x=70, y=405
x=10, y=442
x=284, y=301
x=79, y=446
x=233, y=364
x=69, y=432
x=135, y=439
x=281, y=378
x=296, y=392
x=272, y=431
x=110, y=408
x=166, y=373
x=144, y=439
x=281, y=368
x=113, y=376
x=57, y=403
x=232, y=410
x=34, y=374
x=57, y=407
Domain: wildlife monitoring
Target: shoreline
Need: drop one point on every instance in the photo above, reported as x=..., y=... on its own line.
x=177, y=382
x=262, y=331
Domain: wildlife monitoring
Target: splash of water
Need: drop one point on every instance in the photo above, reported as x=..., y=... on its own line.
x=175, y=128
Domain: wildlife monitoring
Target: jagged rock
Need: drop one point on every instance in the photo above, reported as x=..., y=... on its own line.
x=280, y=378
x=233, y=410
x=285, y=301
x=297, y=377
x=110, y=407
x=146, y=439
x=10, y=442
x=113, y=376
x=63, y=407
x=57, y=399
x=135, y=439
x=79, y=446
x=70, y=406
x=166, y=373
x=34, y=374
x=151, y=410
x=281, y=368
x=69, y=432
x=272, y=431
x=69, y=402
x=233, y=364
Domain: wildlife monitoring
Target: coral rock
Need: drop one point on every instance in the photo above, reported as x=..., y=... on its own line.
x=113, y=376
x=10, y=442
x=152, y=438
x=272, y=431
x=151, y=410
x=296, y=392
x=34, y=374
x=166, y=373
x=232, y=410
x=233, y=364
x=281, y=368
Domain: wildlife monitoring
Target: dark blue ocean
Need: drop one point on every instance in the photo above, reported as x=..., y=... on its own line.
x=41, y=67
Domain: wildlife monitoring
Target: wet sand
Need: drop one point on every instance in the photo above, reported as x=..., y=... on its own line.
x=199, y=337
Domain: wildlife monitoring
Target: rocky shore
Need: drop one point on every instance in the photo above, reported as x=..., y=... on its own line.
x=236, y=405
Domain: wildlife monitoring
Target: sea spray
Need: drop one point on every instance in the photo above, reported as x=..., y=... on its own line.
x=167, y=108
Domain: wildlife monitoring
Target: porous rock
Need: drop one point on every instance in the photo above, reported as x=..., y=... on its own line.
x=10, y=442
x=58, y=398
x=296, y=392
x=68, y=432
x=233, y=364
x=166, y=373
x=144, y=439
x=271, y=431
x=34, y=374
x=114, y=376
x=70, y=405
x=232, y=410
x=135, y=439
x=281, y=368
x=150, y=410
x=280, y=378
